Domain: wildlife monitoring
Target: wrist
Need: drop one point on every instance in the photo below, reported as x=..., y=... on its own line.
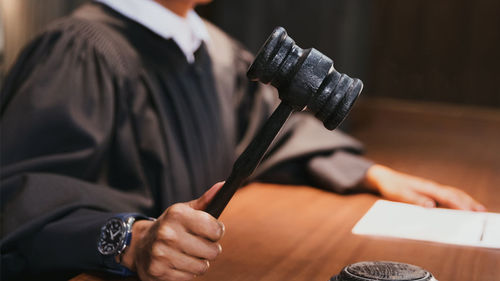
x=373, y=176
x=139, y=230
x=116, y=239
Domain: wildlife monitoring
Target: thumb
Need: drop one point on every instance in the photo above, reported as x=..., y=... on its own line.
x=202, y=202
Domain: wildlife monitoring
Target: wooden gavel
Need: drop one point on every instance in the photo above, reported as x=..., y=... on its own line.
x=305, y=79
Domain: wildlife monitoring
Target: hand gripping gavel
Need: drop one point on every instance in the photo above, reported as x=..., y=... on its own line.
x=305, y=79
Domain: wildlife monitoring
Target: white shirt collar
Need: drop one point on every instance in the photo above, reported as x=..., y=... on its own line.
x=188, y=33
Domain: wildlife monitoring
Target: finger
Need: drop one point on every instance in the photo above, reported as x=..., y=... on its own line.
x=456, y=199
x=423, y=201
x=199, y=247
x=410, y=196
x=444, y=196
x=171, y=258
x=162, y=269
x=467, y=200
x=178, y=275
x=438, y=193
x=448, y=196
x=478, y=207
x=204, y=225
x=173, y=274
x=193, y=221
x=202, y=202
x=189, y=264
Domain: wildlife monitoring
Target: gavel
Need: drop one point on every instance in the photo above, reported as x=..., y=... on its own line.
x=306, y=80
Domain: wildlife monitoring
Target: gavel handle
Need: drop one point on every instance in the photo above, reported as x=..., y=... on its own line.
x=249, y=159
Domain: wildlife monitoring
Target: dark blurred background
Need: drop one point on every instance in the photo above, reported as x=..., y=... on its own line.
x=439, y=51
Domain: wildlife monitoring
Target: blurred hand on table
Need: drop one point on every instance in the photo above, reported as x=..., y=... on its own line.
x=397, y=186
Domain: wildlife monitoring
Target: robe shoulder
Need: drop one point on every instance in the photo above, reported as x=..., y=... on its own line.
x=72, y=40
x=71, y=43
x=68, y=76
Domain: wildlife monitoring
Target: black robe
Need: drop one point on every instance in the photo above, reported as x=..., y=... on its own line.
x=101, y=116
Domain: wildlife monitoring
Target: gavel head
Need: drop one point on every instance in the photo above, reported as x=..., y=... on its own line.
x=305, y=79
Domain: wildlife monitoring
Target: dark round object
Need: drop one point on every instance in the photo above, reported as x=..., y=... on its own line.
x=383, y=271
x=305, y=78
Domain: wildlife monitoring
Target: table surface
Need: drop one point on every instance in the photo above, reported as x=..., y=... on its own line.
x=300, y=233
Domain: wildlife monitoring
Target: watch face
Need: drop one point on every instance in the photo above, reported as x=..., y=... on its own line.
x=112, y=237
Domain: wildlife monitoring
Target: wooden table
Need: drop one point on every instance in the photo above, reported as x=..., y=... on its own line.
x=301, y=233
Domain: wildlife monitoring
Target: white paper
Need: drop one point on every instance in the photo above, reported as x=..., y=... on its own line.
x=392, y=219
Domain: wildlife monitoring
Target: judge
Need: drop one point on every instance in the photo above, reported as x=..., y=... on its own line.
x=116, y=115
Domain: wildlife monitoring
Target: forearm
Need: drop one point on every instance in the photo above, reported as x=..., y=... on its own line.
x=51, y=223
x=66, y=246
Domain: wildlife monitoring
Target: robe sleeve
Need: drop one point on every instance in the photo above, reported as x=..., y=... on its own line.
x=58, y=114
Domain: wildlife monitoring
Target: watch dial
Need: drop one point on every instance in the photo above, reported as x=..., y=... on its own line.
x=112, y=237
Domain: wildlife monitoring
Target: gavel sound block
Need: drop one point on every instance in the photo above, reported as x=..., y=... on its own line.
x=383, y=271
x=306, y=80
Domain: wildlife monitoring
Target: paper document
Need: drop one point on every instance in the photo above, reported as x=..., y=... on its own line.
x=392, y=219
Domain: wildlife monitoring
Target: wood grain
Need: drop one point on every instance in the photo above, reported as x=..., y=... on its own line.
x=273, y=235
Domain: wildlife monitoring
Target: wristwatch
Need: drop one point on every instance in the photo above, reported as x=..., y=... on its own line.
x=116, y=235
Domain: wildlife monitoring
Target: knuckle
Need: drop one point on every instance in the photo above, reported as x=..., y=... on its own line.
x=205, y=218
x=208, y=226
x=156, y=251
x=168, y=234
x=208, y=216
x=155, y=270
x=176, y=211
